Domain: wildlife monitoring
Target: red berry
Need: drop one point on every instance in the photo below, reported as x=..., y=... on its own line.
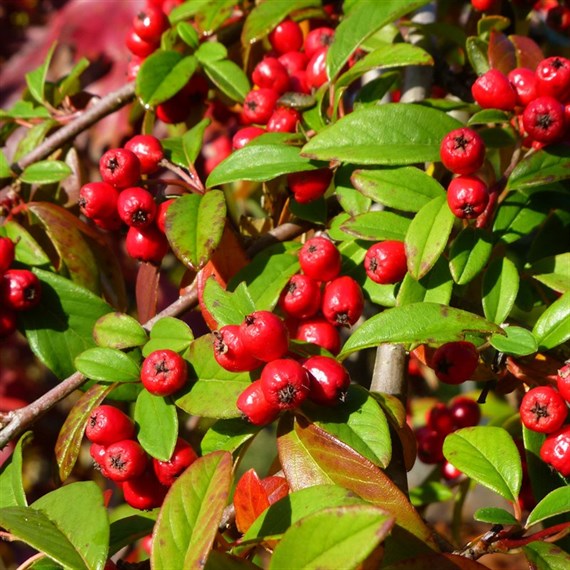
x=555, y=450
x=544, y=120
x=493, y=90
x=301, y=297
x=385, y=262
x=558, y=18
x=97, y=452
x=329, y=380
x=215, y=151
x=164, y=372
x=20, y=289
x=298, y=82
x=133, y=67
x=173, y=110
x=136, y=207
x=343, y=301
x=543, y=409
x=139, y=47
x=259, y=104
x=150, y=24
x=318, y=39
x=149, y=151
x=430, y=445
x=450, y=472
x=553, y=78
x=7, y=253
x=525, y=84
x=283, y=120
x=293, y=61
x=285, y=383
x=245, y=136
x=182, y=457
x=161, y=214
x=484, y=5
x=120, y=167
x=563, y=382
x=316, y=69
x=255, y=408
x=467, y=196
x=148, y=244
x=230, y=352
x=264, y=335
x=8, y=321
x=98, y=200
x=320, y=259
x=462, y=151
x=320, y=332
x=271, y=73
x=309, y=185
x=124, y=460
x=107, y=425
x=286, y=36
x=465, y=412
x=455, y=362
x=439, y=418
x=144, y=492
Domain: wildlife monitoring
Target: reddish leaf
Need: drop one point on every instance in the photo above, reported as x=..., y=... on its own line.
x=147, y=291
x=501, y=52
x=439, y=561
x=250, y=500
x=275, y=487
x=527, y=52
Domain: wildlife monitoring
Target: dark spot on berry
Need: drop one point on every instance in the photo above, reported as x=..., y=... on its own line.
x=117, y=462
x=539, y=411
x=219, y=345
x=30, y=293
x=249, y=320
x=461, y=142
x=444, y=366
x=161, y=367
x=544, y=121
x=287, y=394
x=252, y=105
x=468, y=210
x=139, y=217
x=292, y=287
x=93, y=420
x=373, y=264
x=557, y=63
x=342, y=319
x=113, y=164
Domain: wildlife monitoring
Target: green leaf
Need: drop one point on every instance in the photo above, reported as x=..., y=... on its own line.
x=192, y=141
x=407, y=188
x=107, y=365
x=11, y=476
x=551, y=328
x=390, y=134
x=33, y=137
x=71, y=85
x=430, y=492
x=215, y=390
x=5, y=171
x=188, y=34
x=188, y=521
x=28, y=251
x=418, y=323
x=45, y=172
x=214, y=14
x=228, y=77
x=557, y=502
x=377, y=226
x=517, y=341
x=435, y=287
x=518, y=215
x=157, y=422
x=468, y=254
x=162, y=75
x=127, y=530
x=170, y=333
x=226, y=307
x=211, y=51
x=427, y=236
x=60, y=327
x=542, y=167
x=187, y=10
x=499, y=289
x=476, y=50
x=489, y=456
x=361, y=23
x=546, y=556
x=118, y=330
x=194, y=226
x=487, y=116
x=347, y=536
x=270, y=162
x=351, y=201
x=36, y=79
x=26, y=110
x=553, y=271
x=495, y=515
x=227, y=435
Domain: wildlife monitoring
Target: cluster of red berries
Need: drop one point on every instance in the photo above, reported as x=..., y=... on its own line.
x=544, y=409
x=20, y=289
x=441, y=420
x=119, y=199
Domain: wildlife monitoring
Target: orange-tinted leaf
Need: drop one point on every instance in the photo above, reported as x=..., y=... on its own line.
x=527, y=51
x=534, y=370
x=501, y=52
x=439, y=561
x=250, y=500
x=276, y=488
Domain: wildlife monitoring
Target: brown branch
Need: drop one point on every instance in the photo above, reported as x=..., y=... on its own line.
x=191, y=177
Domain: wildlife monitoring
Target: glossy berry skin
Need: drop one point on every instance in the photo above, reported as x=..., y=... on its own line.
x=139, y=47
x=310, y=185
x=136, y=207
x=98, y=200
x=525, y=84
x=20, y=289
x=465, y=412
x=449, y=472
x=439, y=419
x=254, y=406
x=563, y=382
x=543, y=409
x=385, y=262
x=455, y=362
x=97, y=452
x=148, y=150
x=182, y=457
x=484, y=5
x=316, y=69
x=120, y=167
x=8, y=322
x=555, y=450
x=430, y=445
x=293, y=61
x=7, y=253
x=319, y=331
x=124, y=460
x=493, y=90
x=264, y=335
x=285, y=383
x=245, y=136
x=320, y=259
x=164, y=372
x=160, y=219
x=301, y=297
x=144, y=492
x=271, y=73
x=298, y=82
x=286, y=36
x=329, y=380
x=283, y=120
x=173, y=110
x=343, y=301
x=230, y=352
x=553, y=78
x=462, y=151
x=318, y=39
x=107, y=425
x=150, y=24
x=544, y=120
x=259, y=104
x=467, y=197
x=148, y=244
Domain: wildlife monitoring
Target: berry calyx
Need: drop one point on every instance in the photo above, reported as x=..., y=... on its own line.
x=148, y=150
x=467, y=197
x=310, y=185
x=107, y=425
x=462, y=151
x=163, y=372
x=230, y=352
x=493, y=90
x=343, y=301
x=264, y=335
x=124, y=460
x=329, y=380
x=544, y=120
x=255, y=407
x=20, y=289
x=301, y=297
x=455, y=362
x=385, y=262
x=182, y=457
x=285, y=383
x=543, y=409
x=320, y=259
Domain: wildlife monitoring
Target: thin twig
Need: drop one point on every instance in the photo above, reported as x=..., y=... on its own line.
x=191, y=177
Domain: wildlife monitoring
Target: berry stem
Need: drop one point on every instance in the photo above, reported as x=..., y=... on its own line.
x=191, y=177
